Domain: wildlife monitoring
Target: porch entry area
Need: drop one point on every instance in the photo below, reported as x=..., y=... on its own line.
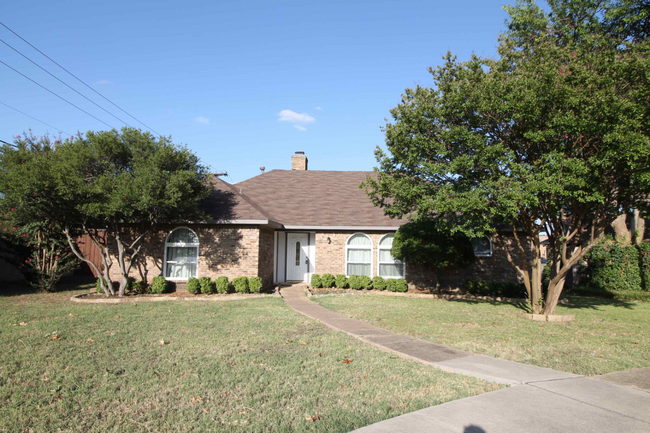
x=295, y=256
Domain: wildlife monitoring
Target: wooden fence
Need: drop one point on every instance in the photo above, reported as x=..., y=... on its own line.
x=90, y=252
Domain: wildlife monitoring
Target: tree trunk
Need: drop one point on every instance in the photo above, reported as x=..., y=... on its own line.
x=104, y=282
x=124, y=249
x=536, y=277
x=556, y=285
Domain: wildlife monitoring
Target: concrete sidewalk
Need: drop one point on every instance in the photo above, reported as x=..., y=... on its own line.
x=547, y=401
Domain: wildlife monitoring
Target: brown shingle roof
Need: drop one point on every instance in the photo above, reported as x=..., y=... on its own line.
x=314, y=198
x=227, y=204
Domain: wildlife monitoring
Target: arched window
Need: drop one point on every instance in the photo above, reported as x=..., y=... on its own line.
x=388, y=266
x=181, y=254
x=482, y=247
x=358, y=255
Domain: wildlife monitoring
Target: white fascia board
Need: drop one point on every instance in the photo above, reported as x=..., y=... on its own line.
x=248, y=222
x=346, y=228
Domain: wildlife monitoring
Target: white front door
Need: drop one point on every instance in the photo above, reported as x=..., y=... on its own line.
x=297, y=256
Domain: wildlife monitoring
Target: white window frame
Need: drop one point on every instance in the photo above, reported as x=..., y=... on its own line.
x=181, y=244
x=381, y=247
x=484, y=254
x=358, y=247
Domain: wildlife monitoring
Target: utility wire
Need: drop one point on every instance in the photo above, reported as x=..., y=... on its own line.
x=79, y=79
x=64, y=83
x=25, y=114
x=58, y=96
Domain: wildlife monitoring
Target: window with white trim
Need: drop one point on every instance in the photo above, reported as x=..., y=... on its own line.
x=482, y=247
x=358, y=255
x=181, y=254
x=388, y=266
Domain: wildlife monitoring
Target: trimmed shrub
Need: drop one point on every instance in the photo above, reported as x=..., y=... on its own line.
x=401, y=285
x=207, y=286
x=327, y=280
x=255, y=284
x=193, y=286
x=378, y=283
x=223, y=285
x=316, y=281
x=613, y=267
x=341, y=281
x=391, y=285
x=158, y=285
x=140, y=288
x=130, y=282
x=497, y=289
x=477, y=288
x=355, y=282
x=365, y=282
x=241, y=284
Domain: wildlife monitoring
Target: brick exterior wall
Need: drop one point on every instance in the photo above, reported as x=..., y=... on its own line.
x=223, y=250
x=266, y=246
x=236, y=251
x=330, y=258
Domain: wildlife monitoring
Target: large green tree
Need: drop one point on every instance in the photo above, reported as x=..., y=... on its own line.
x=114, y=186
x=550, y=136
x=29, y=210
x=122, y=184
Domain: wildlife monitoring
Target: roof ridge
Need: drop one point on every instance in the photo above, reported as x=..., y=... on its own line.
x=303, y=171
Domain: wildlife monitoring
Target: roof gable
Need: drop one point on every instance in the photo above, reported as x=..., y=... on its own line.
x=225, y=204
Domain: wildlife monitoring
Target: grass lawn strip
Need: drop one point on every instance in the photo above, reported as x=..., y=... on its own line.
x=607, y=335
x=252, y=365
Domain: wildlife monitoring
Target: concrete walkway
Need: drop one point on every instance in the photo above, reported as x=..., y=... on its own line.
x=546, y=401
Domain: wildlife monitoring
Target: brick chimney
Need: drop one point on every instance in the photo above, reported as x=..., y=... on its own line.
x=299, y=161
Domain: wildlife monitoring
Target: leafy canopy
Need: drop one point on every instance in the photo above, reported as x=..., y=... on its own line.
x=131, y=177
x=551, y=136
x=426, y=243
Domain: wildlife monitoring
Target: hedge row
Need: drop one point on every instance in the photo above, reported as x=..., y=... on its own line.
x=203, y=285
x=240, y=285
x=506, y=290
x=358, y=282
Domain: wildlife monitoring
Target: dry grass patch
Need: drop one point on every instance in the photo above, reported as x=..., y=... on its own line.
x=250, y=365
x=607, y=335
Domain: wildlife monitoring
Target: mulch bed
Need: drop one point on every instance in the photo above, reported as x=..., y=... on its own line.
x=100, y=298
x=445, y=296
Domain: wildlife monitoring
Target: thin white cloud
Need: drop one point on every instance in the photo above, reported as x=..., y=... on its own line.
x=317, y=108
x=104, y=82
x=300, y=128
x=203, y=120
x=292, y=116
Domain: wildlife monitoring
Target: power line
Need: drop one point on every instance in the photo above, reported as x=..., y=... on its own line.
x=25, y=114
x=58, y=96
x=79, y=79
x=63, y=82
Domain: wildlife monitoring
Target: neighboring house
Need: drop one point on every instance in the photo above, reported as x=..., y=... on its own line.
x=286, y=225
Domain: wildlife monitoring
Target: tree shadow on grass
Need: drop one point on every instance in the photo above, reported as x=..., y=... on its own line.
x=517, y=304
x=572, y=302
x=66, y=283
x=588, y=302
x=16, y=289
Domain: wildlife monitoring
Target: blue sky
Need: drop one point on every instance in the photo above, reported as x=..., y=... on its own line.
x=220, y=76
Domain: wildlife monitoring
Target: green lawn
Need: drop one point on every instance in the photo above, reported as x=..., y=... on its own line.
x=607, y=335
x=252, y=365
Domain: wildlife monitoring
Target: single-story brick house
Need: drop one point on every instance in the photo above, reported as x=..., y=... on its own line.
x=286, y=225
